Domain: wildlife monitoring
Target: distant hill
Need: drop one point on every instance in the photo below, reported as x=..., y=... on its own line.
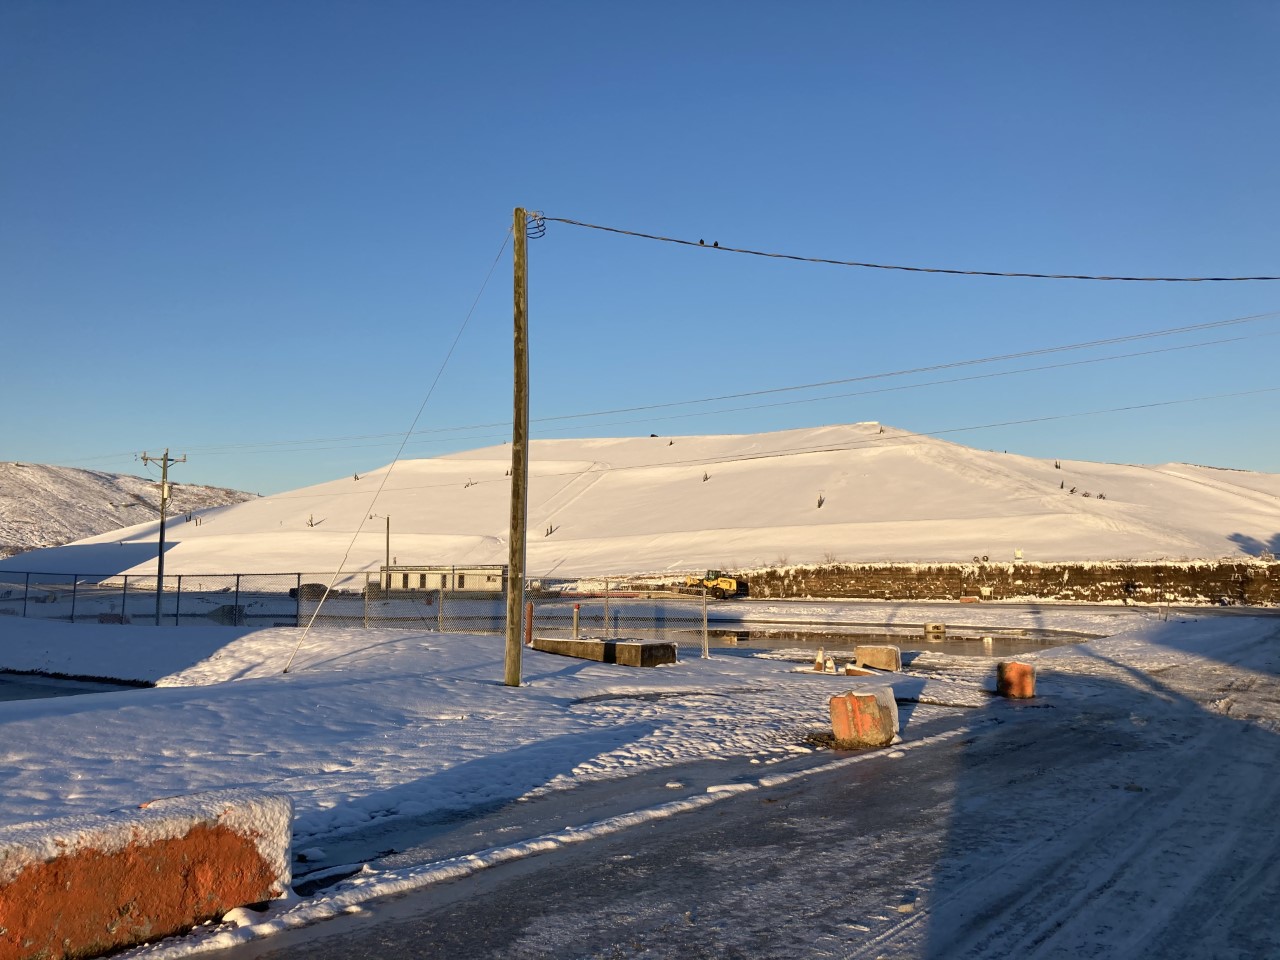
x=848, y=493
x=46, y=506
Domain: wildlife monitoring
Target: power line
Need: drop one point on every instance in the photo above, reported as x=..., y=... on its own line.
x=1171, y=331
x=407, y=434
x=903, y=437
x=345, y=442
x=888, y=266
x=927, y=383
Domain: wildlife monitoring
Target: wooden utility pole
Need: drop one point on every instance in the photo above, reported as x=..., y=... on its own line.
x=519, y=453
x=164, y=509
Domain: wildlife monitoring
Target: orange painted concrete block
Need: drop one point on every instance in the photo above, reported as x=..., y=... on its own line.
x=864, y=718
x=84, y=886
x=1015, y=680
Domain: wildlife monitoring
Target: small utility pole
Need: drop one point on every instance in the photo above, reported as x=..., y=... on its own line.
x=519, y=452
x=164, y=462
x=387, y=566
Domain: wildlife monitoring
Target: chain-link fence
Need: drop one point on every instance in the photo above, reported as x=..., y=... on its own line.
x=599, y=608
x=565, y=608
x=182, y=599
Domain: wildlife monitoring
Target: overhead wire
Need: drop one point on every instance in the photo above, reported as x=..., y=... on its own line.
x=715, y=245
x=929, y=383
x=386, y=476
x=900, y=437
x=264, y=446
x=1108, y=341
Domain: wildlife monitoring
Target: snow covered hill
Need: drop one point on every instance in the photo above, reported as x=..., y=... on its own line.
x=859, y=492
x=42, y=506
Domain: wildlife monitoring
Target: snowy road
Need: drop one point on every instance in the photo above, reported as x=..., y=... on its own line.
x=1130, y=814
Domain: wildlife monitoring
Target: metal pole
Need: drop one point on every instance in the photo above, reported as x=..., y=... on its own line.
x=606, y=610
x=576, y=611
x=519, y=449
x=177, y=602
x=236, y=601
x=26, y=592
x=124, y=600
x=164, y=505
x=706, y=651
x=75, y=577
x=388, y=552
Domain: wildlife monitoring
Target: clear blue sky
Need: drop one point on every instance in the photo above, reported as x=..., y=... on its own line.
x=228, y=226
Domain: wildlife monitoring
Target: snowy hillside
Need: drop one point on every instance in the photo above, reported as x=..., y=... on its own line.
x=42, y=506
x=857, y=492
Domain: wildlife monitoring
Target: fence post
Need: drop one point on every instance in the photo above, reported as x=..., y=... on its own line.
x=528, y=624
x=124, y=600
x=75, y=579
x=576, y=610
x=297, y=600
x=177, y=604
x=26, y=590
x=606, y=610
x=365, y=593
x=706, y=644
x=236, y=601
x=440, y=610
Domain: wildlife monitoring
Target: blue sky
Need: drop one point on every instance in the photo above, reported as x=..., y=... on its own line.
x=252, y=232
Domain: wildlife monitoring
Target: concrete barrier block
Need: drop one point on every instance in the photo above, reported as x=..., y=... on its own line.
x=1015, y=680
x=86, y=885
x=627, y=653
x=864, y=718
x=879, y=656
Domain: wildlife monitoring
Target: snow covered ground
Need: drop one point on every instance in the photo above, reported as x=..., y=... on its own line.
x=374, y=731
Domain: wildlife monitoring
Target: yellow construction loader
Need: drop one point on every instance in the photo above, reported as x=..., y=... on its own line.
x=719, y=584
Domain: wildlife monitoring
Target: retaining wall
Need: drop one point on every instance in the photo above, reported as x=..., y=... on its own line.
x=1245, y=582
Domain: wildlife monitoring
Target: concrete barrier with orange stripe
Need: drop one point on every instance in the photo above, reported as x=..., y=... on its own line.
x=86, y=885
